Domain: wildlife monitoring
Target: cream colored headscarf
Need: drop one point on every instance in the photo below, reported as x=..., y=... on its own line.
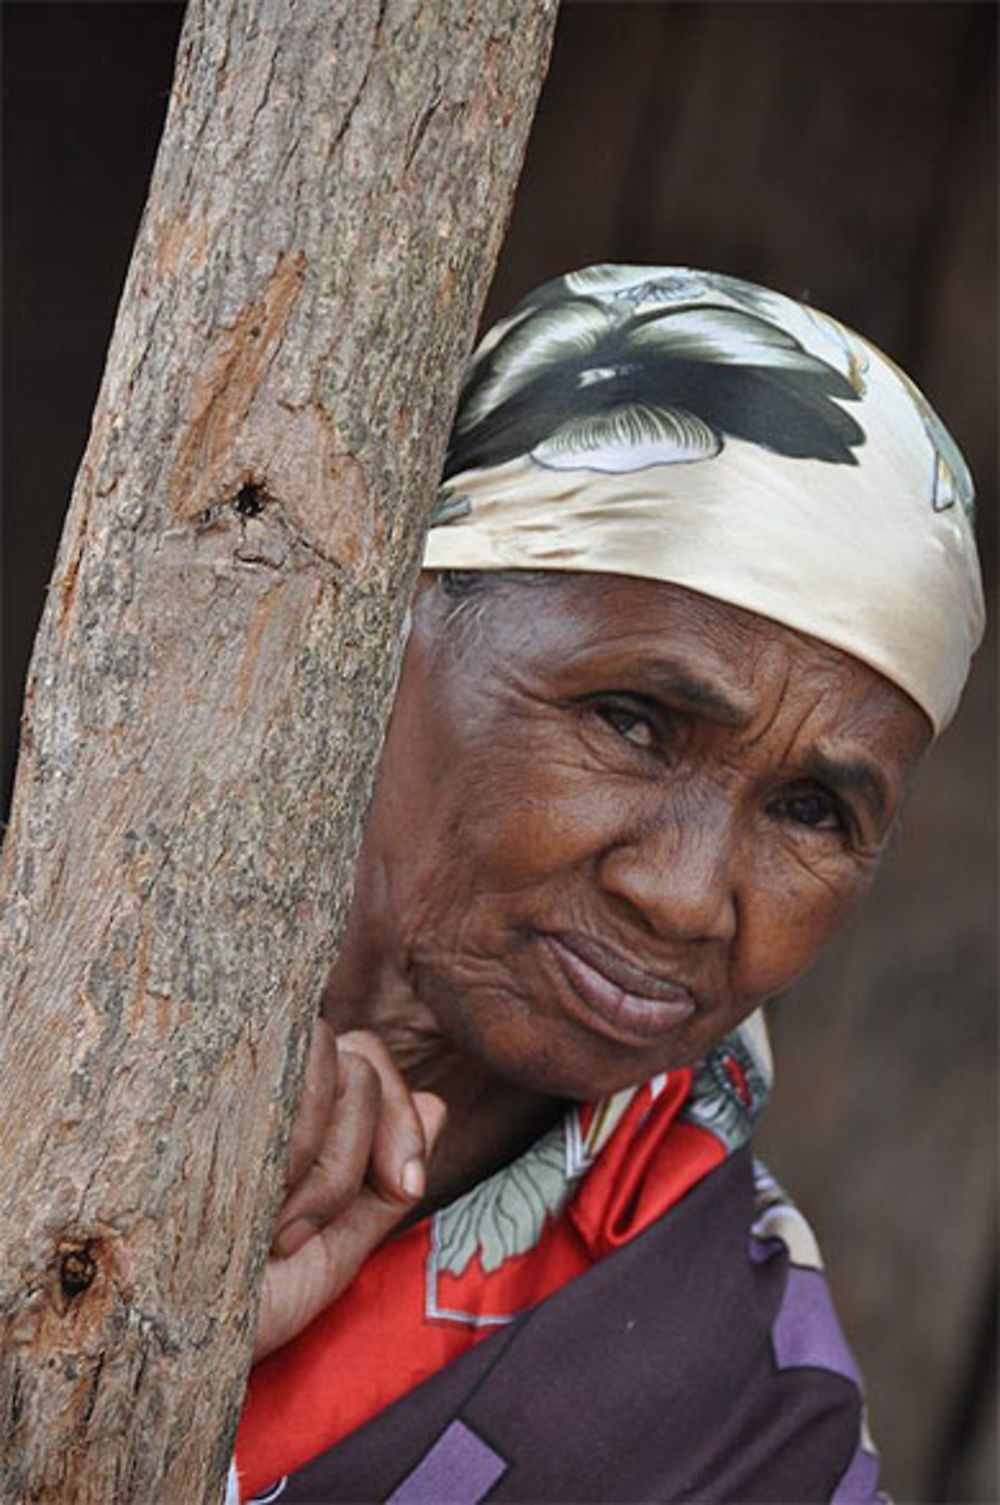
x=693, y=428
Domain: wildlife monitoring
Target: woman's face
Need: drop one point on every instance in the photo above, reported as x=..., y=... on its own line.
x=614, y=816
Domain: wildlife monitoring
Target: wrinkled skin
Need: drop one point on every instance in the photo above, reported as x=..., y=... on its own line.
x=595, y=787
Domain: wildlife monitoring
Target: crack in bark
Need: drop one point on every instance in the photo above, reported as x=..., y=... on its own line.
x=231, y=378
x=265, y=95
x=344, y=126
x=420, y=130
x=93, y=1389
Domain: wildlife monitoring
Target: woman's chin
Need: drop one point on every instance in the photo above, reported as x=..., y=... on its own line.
x=582, y=1070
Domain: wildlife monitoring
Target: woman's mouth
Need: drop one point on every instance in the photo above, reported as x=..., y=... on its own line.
x=619, y=1000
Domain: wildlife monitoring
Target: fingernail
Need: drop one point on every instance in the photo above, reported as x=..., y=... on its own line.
x=412, y=1179
x=289, y=1240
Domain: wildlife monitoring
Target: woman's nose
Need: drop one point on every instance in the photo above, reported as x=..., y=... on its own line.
x=679, y=875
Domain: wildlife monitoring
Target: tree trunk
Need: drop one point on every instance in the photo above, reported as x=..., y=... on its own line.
x=208, y=693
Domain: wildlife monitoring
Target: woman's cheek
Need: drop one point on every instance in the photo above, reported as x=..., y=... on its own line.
x=544, y=819
x=791, y=913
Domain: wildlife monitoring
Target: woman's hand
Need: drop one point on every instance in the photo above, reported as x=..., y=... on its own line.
x=356, y=1166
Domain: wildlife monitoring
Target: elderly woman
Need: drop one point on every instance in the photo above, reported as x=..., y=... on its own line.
x=700, y=590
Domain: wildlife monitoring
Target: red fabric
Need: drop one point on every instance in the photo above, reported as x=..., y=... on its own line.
x=377, y=1342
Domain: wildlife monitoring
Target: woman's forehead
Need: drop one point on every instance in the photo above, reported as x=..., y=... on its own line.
x=709, y=657
x=625, y=614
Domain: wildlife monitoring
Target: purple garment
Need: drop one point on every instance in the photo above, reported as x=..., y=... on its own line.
x=459, y=1467
x=690, y=1365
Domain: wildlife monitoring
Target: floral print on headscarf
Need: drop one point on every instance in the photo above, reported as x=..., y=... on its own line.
x=579, y=382
x=693, y=428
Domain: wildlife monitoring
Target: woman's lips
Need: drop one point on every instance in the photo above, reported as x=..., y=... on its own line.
x=614, y=1002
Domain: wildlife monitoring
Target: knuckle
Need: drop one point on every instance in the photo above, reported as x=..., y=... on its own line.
x=360, y=1079
x=369, y=1046
x=331, y=1184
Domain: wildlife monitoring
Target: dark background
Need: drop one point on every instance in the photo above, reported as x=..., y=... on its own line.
x=845, y=152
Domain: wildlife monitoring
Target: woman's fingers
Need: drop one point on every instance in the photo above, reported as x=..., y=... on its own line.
x=357, y=1162
x=432, y=1112
x=298, y=1288
x=357, y=1119
x=334, y=1179
x=398, y=1158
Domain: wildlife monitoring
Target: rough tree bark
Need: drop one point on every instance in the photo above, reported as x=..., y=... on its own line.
x=208, y=692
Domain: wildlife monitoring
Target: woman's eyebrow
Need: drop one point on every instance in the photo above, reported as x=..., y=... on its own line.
x=678, y=685
x=852, y=776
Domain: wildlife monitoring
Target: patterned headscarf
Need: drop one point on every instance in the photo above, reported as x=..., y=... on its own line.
x=693, y=428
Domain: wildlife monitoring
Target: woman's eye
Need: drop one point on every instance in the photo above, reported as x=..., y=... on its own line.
x=629, y=723
x=815, y=808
